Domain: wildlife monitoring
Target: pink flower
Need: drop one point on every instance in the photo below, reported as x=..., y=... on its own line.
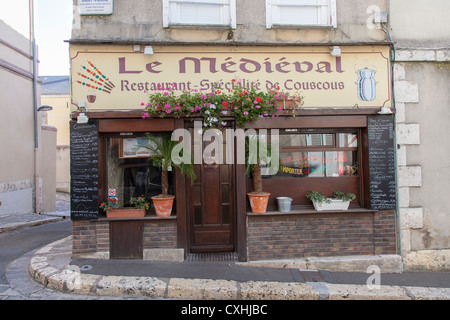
x=168, y=111
x=142, y=104
x=166, y=93
x=167, y=106
x=145, y=115
x=211, y=94
x=245, y=113
x=258, y=106
x=203, y=96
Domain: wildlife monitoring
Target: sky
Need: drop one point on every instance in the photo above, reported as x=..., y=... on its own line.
x=53, y=24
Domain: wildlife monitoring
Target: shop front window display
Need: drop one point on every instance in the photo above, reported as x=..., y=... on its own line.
x=318, y=155
x=130, y=174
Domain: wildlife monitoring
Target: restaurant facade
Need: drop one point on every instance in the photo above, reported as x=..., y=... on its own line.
x=332, y=129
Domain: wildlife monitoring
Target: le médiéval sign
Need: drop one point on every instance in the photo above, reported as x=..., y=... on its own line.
x=116, y=77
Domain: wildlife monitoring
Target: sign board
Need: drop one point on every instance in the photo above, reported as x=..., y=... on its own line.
x=117, y=77
x=83, y=171
x=95, y=7
x=381, y=162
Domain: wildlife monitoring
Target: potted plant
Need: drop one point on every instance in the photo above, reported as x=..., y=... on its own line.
x=258, y=198
x=321, y=202
x=114, y=210
x=163, y=148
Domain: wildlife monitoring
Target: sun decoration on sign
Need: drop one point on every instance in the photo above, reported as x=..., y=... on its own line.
x=98, y=81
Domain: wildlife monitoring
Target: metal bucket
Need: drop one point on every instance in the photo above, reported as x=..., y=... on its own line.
x=284, y=204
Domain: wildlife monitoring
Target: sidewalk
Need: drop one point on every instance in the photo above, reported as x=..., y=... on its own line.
x=53, y=267
x=23, y=220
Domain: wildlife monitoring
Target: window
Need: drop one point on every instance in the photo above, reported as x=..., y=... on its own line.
x=318, y=155
x=199, y=12
x=300, y=13
x=129, y=172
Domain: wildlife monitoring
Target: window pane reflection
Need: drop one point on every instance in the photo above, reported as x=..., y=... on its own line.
x=318, y=164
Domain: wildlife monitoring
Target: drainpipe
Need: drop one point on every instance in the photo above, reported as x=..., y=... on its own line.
x=35, y=114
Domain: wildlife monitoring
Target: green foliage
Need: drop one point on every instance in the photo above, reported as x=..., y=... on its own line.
x=337, y=195
x=139, y=203
x=162, y=147
x=243, y=104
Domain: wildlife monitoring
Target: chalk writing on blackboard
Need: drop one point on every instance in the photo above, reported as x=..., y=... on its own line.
x=381, y=162
x=84, y=171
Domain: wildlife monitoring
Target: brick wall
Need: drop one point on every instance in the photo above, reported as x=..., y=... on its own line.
x=160, y=234
x=318, y=235
x=90, y=236
x=93, y=236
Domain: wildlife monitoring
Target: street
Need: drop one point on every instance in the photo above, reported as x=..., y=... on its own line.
x=17, y=249
x=17, y=243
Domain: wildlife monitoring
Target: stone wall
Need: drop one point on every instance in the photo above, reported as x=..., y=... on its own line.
x=421, y=78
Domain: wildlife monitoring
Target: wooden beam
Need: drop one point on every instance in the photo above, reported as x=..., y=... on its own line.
x=136, y=125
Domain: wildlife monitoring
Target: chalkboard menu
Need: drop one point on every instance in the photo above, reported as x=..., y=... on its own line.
x=83, y=171
x=381, y=162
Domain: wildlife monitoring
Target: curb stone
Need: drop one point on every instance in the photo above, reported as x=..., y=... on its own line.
x=69, y=280
x=19, y=225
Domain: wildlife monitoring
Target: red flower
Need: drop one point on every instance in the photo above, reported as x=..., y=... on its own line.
x=225, y=104
x=258, y=99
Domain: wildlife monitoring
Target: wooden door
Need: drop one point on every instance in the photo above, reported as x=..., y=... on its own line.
x=126, y=239
x=211, y=207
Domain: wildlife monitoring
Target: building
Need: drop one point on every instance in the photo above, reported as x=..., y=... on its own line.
x=27, y=165
x=421, y=77
x=55, y=92
x=338, y=55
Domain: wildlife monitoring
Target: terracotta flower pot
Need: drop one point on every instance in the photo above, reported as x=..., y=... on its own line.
x=258, y=202
x=122, y=213
x=163, y=205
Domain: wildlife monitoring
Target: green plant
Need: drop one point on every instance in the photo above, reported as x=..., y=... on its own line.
x=254, y=148
x=162, y=148
x=110, y=204
x=337, y=195
x=317, y=197
x=249, y=105
x=139, y=202
x=242, y=103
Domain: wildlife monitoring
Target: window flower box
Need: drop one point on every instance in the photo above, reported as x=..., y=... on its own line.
x=332, y=205
x=123, y=213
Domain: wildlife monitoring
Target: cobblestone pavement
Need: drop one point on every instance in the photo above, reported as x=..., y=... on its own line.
x=23, y=287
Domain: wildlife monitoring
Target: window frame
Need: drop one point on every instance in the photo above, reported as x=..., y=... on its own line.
x=272, y=4
x=334, y=147
x=168, y=17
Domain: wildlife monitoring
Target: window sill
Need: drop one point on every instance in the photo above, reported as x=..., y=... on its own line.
x=199, y=27
x=301, y=26
x=146, y=218
x=311, y=211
